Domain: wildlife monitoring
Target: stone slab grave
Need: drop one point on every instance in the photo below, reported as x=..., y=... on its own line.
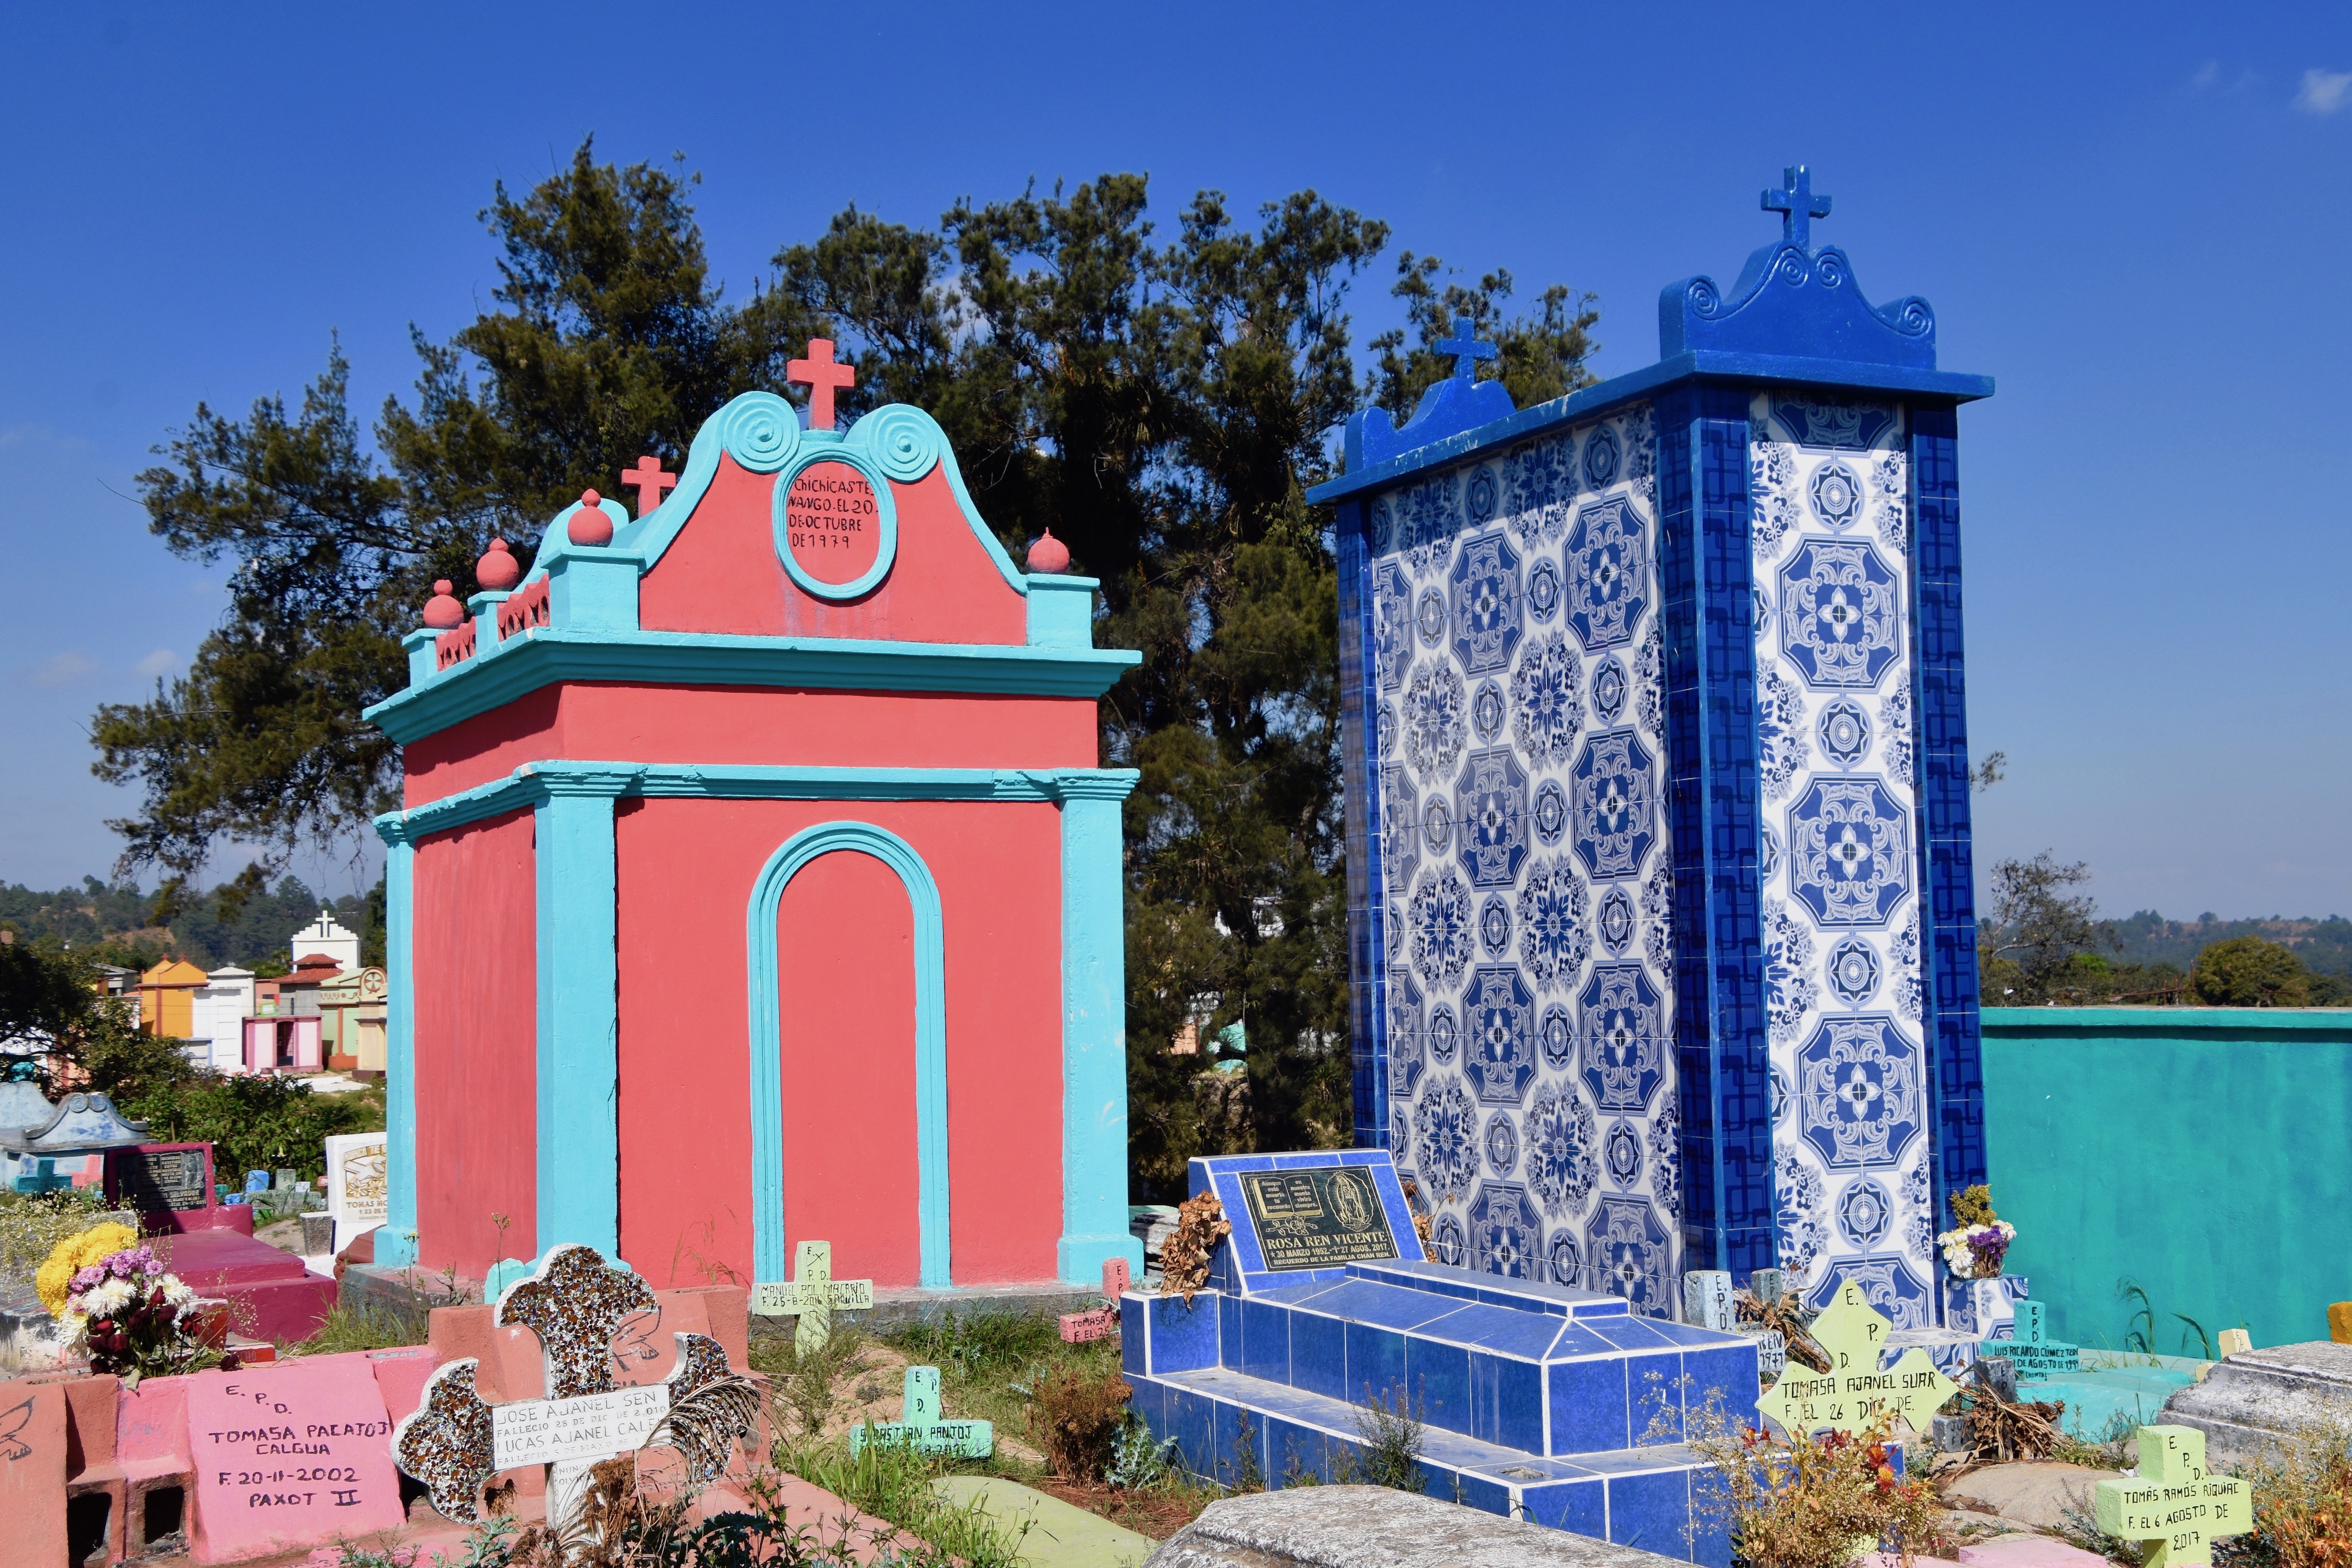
x=2248, y=1405
x=1537, y=1399
x=2175, y=1501
x=923, y=1428
x=594, y=1325
x=1058, y=1534
x=1101, y=1323
x=812, y=1296
x=1858, y=1390
x=1377, y=1527
x=287, y=1457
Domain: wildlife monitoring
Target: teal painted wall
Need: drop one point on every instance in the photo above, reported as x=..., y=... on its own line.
x=2205, y=1153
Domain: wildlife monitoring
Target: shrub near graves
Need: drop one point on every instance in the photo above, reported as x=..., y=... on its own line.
x=2303, y=1500
x=1076, y=1415
x=1810, y=1502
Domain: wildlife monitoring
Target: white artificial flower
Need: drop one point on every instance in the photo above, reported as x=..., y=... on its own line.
x=104, y=1300
x=178, y=1294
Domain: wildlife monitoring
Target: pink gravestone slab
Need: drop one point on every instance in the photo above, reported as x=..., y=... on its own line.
x=1077, y=1328
x=290, y=1457
x=2030, y=1551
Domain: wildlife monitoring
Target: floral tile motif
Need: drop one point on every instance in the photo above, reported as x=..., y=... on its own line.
x=1502, y=1144
x=1563, y=1164
x=1554, y=935
x=1841, y=895
x=1506, y=1232
x=1628, y=1248
x=1547, y=709
x=1614, y=803
x=1501, y=1013
x=1608, y=574
x=1487, y=610
x=1490, y=810
x=1860, y=1091
x=1626, y=1042
x=1515, y=625
x=1849, y=851
x=1840, y=614
x=1444, y=1125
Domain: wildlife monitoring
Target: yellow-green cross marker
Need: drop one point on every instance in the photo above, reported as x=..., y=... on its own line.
x=2174, y=1501
x=813, y=1295
x=1854, y=1393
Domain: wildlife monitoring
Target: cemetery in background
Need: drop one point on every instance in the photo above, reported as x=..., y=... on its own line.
x=1653, y=949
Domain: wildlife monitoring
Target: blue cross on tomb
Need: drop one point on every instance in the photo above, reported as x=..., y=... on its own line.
x=1797, y=206
x=1466, y=349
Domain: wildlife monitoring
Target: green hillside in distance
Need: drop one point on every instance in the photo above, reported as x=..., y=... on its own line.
x=2148, y=938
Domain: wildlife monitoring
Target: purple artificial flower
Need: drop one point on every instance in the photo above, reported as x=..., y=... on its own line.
x=153, y=1268
x=88, y=1276
x=120, y=1262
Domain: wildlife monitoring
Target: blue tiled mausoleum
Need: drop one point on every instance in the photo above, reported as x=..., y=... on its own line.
x=1662, y=936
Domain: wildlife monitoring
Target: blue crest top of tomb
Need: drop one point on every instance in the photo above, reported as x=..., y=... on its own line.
x=1795, y=317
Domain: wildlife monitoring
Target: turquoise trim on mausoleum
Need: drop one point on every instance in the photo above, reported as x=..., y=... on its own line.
x=768, y=1252
x=762, y=432
x=886, y=520
x=542, y=657
x=396, y=1242
x=578, y=1014
x=1094, y=1032
x=2199, y=1153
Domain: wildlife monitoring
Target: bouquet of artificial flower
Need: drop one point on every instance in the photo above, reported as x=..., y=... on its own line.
x=127, y=1311
x=1973, y=1248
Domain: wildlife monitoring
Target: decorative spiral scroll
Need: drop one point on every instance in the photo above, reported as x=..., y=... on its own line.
x=1912, y=318
x=1702, y=297
x=761, y=430
x=903, y=440
x=1830, y=268
x=1790, y=269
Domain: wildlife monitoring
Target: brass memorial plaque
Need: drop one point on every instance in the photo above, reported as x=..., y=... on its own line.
x=1318, y=1218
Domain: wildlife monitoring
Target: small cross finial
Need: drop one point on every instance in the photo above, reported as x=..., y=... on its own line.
x=1797, y=206
x=648, y=481
x=1466, y=349
x=822, y=378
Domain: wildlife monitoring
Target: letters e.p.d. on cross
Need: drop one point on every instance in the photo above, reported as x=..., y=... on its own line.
x=1856, y=1393
x=813, y=1295
x=2175, y=1503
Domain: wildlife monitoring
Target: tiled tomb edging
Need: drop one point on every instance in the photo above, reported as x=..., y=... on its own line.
x=1536, y=1399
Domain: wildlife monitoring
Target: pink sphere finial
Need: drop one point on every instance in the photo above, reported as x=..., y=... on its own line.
x=441, y=612
x=1048, y=554
x=590, y=526
x=498, y=569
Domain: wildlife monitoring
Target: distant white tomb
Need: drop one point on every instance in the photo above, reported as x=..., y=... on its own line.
x=324, y=935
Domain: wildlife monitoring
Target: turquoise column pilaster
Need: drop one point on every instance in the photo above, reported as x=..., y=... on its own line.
x=397, y=1242
x=579, y=1171
x=1094, y=1029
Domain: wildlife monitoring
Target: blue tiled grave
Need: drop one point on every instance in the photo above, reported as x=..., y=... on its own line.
x=1555, y=1405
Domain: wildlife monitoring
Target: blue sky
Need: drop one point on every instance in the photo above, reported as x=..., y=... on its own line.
x=2135, y=219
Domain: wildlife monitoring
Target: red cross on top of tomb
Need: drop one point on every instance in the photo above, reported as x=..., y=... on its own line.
x=648, y=481
x=822, y=378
